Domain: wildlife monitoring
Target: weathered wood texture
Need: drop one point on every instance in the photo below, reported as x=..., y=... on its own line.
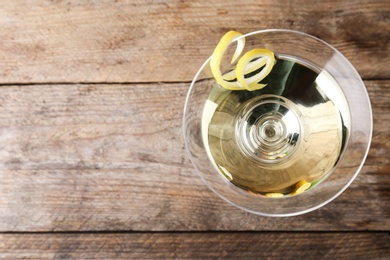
x=80, y=152
x=149, y=41
x=111, y=157
x=196, y=246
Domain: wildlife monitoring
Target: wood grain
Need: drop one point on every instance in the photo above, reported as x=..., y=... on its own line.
x=195, y=245
x=149, y=41
x=92, y=160
x=111, y=157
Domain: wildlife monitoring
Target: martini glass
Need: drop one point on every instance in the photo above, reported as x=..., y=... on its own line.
x=311, y=127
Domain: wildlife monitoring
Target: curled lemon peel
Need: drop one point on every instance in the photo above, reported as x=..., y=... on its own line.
x=274, y=195
x=301, y=186
x=263, y=57
x=250, y=62
x=218, y=53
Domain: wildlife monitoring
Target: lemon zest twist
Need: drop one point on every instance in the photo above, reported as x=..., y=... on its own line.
x=250, y=62
x=218, y=53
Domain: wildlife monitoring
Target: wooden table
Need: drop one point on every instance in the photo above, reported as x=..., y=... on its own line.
x=92, y=159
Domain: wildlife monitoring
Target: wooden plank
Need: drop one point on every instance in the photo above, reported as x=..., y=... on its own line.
x=195, y=245
x=149, y=41
x=111, y=157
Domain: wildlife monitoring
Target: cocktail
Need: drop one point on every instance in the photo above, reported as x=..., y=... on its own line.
x=277, y=122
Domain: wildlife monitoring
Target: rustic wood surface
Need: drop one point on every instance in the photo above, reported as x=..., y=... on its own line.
x=204, y=245
x=92, y=160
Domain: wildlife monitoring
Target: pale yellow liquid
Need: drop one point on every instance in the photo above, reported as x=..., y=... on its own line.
x=303, y=108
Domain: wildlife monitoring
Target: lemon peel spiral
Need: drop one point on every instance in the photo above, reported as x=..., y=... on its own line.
x=264, y=57
x=215, y=61
x=251, y=61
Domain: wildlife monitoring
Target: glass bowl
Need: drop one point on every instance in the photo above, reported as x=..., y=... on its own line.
x=351, y=100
